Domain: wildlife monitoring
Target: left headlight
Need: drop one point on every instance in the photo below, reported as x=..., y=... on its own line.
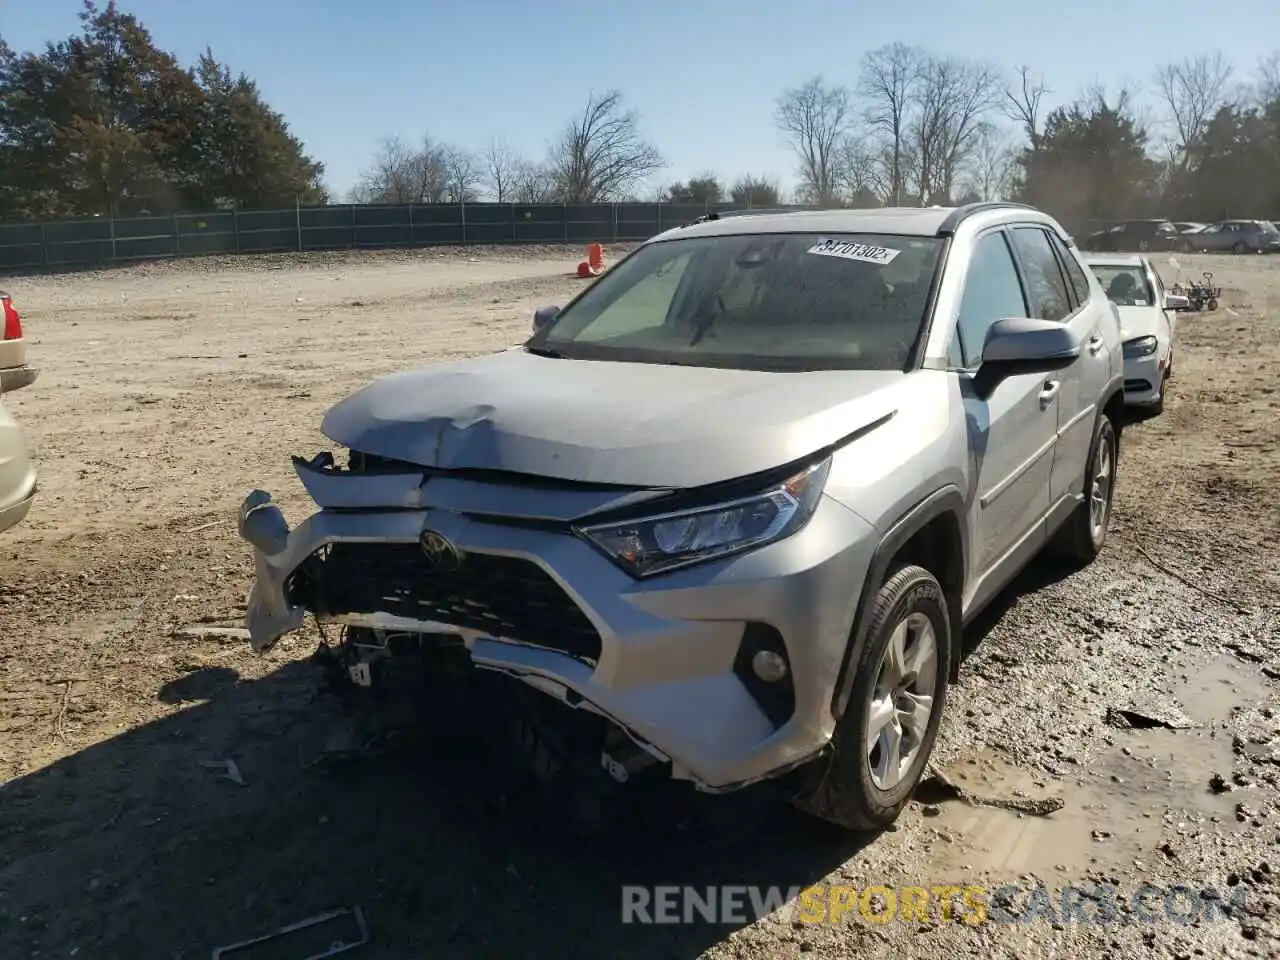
x=1140, y=347
x=660, y=543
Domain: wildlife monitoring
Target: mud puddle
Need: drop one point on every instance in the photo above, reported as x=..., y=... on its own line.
x=1148, y=784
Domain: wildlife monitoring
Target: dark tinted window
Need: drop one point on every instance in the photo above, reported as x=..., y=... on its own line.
x=991, y=292
x=1046, y=287
x=1075, y=273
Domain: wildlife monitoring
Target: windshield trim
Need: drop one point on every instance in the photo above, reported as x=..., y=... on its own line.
x=574, y=350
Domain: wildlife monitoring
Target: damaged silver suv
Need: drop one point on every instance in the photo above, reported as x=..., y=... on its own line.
x=729, y=509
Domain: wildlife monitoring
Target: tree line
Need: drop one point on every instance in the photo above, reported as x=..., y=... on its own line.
x=106, y=123
x=1201, y=142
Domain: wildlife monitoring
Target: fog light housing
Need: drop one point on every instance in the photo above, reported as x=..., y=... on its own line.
x=769, y=666
x=764, y=668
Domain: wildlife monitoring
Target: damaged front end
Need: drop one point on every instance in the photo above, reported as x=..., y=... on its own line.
x=495, y=571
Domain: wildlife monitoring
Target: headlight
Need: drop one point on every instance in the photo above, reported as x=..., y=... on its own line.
x=1141, y=347
x=656, y=544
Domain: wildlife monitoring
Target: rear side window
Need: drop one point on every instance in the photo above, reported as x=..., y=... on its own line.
x=1046, y=286
x=1075, y=273
x=992, y=292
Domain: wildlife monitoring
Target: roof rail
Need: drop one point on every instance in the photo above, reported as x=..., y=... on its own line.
x=960, y=214
x=754, y=211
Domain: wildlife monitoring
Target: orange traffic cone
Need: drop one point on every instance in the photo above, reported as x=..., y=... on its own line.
x=585, y=271
x=595, y=257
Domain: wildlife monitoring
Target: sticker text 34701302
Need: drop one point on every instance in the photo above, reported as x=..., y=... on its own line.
x=849, y=250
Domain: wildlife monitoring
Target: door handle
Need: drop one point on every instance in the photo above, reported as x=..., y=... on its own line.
x=1095, y=343
x=1049, y=391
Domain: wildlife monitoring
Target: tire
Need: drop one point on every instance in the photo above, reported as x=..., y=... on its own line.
x=1144, y=246
x=1213, y=303
x=845, y=790
x=1157, y=408
x=1239, y=247
x=1081, y=537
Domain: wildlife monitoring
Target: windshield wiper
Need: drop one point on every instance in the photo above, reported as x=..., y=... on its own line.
x=545, y=352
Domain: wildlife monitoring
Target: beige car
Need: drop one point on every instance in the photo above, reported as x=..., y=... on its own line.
x=17, y=475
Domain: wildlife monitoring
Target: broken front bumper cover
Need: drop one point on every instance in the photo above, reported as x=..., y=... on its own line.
x=669, y=666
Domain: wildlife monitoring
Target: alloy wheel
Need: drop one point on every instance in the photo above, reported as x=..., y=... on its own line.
x=902, y=702
x=1100, y=486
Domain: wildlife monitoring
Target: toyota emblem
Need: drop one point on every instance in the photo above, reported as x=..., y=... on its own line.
x=439, y=551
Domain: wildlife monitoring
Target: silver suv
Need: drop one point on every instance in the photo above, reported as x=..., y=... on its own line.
x=724, y=516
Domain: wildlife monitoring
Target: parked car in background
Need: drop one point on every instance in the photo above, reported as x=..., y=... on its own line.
x=1237, y=236
x=1139, y=235
x=1148, y=321
x=14, y=370
x=17, y=475
x=1188, y=226
x=723, y=517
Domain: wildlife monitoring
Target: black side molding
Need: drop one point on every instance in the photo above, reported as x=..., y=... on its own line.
x=946, y=500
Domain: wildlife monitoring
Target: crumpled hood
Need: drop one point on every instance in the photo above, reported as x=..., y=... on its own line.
x=631, y=424
x=1139, y=321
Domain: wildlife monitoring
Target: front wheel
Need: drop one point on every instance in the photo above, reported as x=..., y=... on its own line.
x=1213, y=303
x=884, y=738
x=1084, y=534
x=1239, y=247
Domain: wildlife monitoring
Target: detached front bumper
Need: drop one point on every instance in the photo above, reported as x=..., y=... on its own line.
x=666, y=659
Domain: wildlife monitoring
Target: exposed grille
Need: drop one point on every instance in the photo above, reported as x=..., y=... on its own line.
x=1137, y=385
x=504, y=597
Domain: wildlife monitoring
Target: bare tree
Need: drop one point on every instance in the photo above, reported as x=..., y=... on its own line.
x=815, y=119
x=463, y=174
x=502, y=169
x=990, y=166
x=1022, y=104
x=1192, y=90
x=888, y=80
x=860, y=174
x=954, y=97
x=431, y=173
x=534, y=183
x=1268, y=83
x=601, y=154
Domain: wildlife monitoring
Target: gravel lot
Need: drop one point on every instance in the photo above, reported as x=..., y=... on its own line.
x=169, y=390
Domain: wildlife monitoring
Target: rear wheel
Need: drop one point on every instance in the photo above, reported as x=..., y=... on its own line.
x=1083, y=536
x=884, y=738
x=1239, y=247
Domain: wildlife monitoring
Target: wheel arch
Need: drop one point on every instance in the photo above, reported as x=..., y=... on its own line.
x=932, y=534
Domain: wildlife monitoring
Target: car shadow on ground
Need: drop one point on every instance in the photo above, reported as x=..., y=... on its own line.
x=145, y=845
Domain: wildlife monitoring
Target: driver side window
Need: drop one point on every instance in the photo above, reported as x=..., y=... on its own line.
x=992, y=291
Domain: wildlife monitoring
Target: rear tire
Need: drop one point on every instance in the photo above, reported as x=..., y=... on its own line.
x=1239, y=247
x=1083, y=536
x=857, y=785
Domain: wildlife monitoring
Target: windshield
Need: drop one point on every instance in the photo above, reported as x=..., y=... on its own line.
x=757, y=301
x=1126, y=284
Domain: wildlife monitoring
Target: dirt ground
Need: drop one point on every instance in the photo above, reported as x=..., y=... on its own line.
x=169, y=390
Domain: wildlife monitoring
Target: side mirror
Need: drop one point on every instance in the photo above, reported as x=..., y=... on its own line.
x=1021, y=345
x=544, y=316
x=1176, y=302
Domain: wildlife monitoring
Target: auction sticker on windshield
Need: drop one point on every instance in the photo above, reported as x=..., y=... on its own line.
x=848, y=250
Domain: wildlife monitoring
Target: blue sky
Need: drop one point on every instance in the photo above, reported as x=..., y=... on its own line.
x=704, y=75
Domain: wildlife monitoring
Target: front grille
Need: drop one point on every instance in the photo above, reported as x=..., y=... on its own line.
x=1137, y=386
x=503, y=597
